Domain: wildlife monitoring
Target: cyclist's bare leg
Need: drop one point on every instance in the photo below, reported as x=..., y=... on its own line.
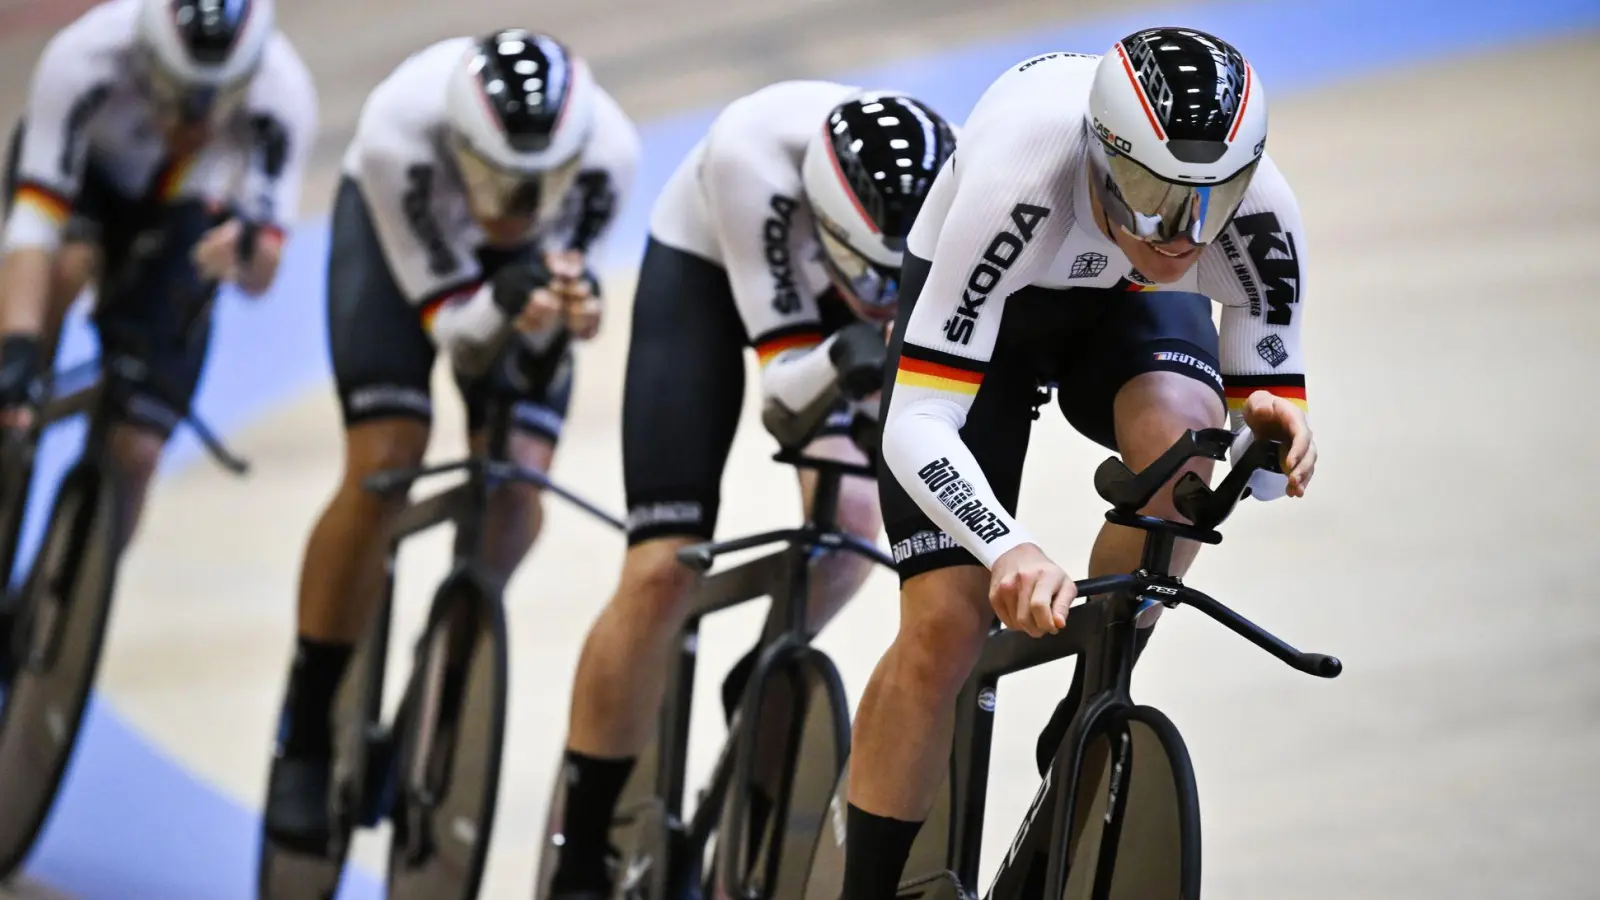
x=1150, y=412
x=900, y=747
x=137, y=450
x=516, y=510
x=622, y=670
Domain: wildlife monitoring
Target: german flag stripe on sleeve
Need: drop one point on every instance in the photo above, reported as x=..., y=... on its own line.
x=1238, y=388
x=922, y=367
x=792, y=337
x=430, y=307
x=43, y=200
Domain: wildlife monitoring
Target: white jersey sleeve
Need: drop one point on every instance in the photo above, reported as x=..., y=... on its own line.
x=1256, y=271
x=605, y=180
x=395, y=161
x=997, y=216
x=750, y=176
x=73, y=79
x=281, y=112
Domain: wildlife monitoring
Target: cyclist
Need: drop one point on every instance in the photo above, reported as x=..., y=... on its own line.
x=161, y=152
x=1117, y=196
x=482, y=172
x=781, y=231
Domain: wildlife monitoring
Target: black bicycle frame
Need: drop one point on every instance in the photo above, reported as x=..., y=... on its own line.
x=784, y=576
x=1102, y=633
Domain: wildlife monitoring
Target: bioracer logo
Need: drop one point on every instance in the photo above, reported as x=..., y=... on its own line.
x=1004, y=248
x=956, y=494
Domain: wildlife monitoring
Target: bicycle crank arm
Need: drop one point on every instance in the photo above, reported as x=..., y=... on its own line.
x=1318, y=664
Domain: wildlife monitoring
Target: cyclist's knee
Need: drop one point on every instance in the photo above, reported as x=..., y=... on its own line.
x=75, y=265
x=374, y=446
x=654, y=588
x=520, y=499
x=1152, y=410
x=858, y=508
x=944, y=621
x=138, y=452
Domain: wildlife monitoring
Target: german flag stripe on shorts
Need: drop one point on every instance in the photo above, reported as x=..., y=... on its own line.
x=792, y=337
x=44, y=200
x=1238, y=388
x=925, y=368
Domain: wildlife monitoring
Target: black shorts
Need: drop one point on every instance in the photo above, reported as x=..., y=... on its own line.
x=684, y=392
x=147, y=286
x=1084, y=343
x=382, y=355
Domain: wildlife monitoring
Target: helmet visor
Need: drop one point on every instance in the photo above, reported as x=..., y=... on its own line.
x=874, y=285
x=1156, y=211
x=496, y=193
x=186, y=103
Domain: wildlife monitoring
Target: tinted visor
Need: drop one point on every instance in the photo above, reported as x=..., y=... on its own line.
x=872, y=284
x=497, y=193
x=183, y=103
x=1155, y=210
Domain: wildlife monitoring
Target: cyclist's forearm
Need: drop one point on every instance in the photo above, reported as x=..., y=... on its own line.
x=24, y=287
x=923, y=448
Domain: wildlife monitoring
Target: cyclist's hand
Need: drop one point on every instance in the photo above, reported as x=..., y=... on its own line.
x=1029, y=592
x=216, y=255
x=539, y=313
x=1276, y=419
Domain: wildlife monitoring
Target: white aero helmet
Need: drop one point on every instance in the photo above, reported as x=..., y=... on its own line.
x=1182, y=121
x=197, y=56
x=520, y=109
x=867, y=169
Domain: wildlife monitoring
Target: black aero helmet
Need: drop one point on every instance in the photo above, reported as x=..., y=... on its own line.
x=867, y=169
x=520, y=107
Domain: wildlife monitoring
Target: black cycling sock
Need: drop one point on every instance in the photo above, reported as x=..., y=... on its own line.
x=876, y=849
x=593, y=787
x=313, y=680
x=1056, y=729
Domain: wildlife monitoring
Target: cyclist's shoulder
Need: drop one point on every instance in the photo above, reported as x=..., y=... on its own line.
x=284, y=83
x=92, y=49
x=779, y=115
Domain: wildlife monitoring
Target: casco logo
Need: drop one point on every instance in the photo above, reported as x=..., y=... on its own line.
x=1143, y=59
x=1122, y=144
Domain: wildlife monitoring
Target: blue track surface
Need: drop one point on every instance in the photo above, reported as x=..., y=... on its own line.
x=132, y=823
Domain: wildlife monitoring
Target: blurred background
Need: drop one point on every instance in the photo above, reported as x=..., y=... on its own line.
x=1444, y=156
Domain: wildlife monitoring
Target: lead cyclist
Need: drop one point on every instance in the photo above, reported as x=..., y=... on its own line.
x=1107, y=201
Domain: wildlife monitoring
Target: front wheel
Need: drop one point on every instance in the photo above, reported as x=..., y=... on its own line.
x=1135, y=833
x=450, y=737
x=57, y=635
x=792, y=753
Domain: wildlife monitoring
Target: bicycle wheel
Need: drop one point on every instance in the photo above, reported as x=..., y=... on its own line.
x=774, y=812
x=1136, y=821
x=361, y=765
x=59, y=629
x=449, y=742
x=16, y=477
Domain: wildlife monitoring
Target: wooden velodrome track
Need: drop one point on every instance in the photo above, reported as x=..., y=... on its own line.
x=1447, y=553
